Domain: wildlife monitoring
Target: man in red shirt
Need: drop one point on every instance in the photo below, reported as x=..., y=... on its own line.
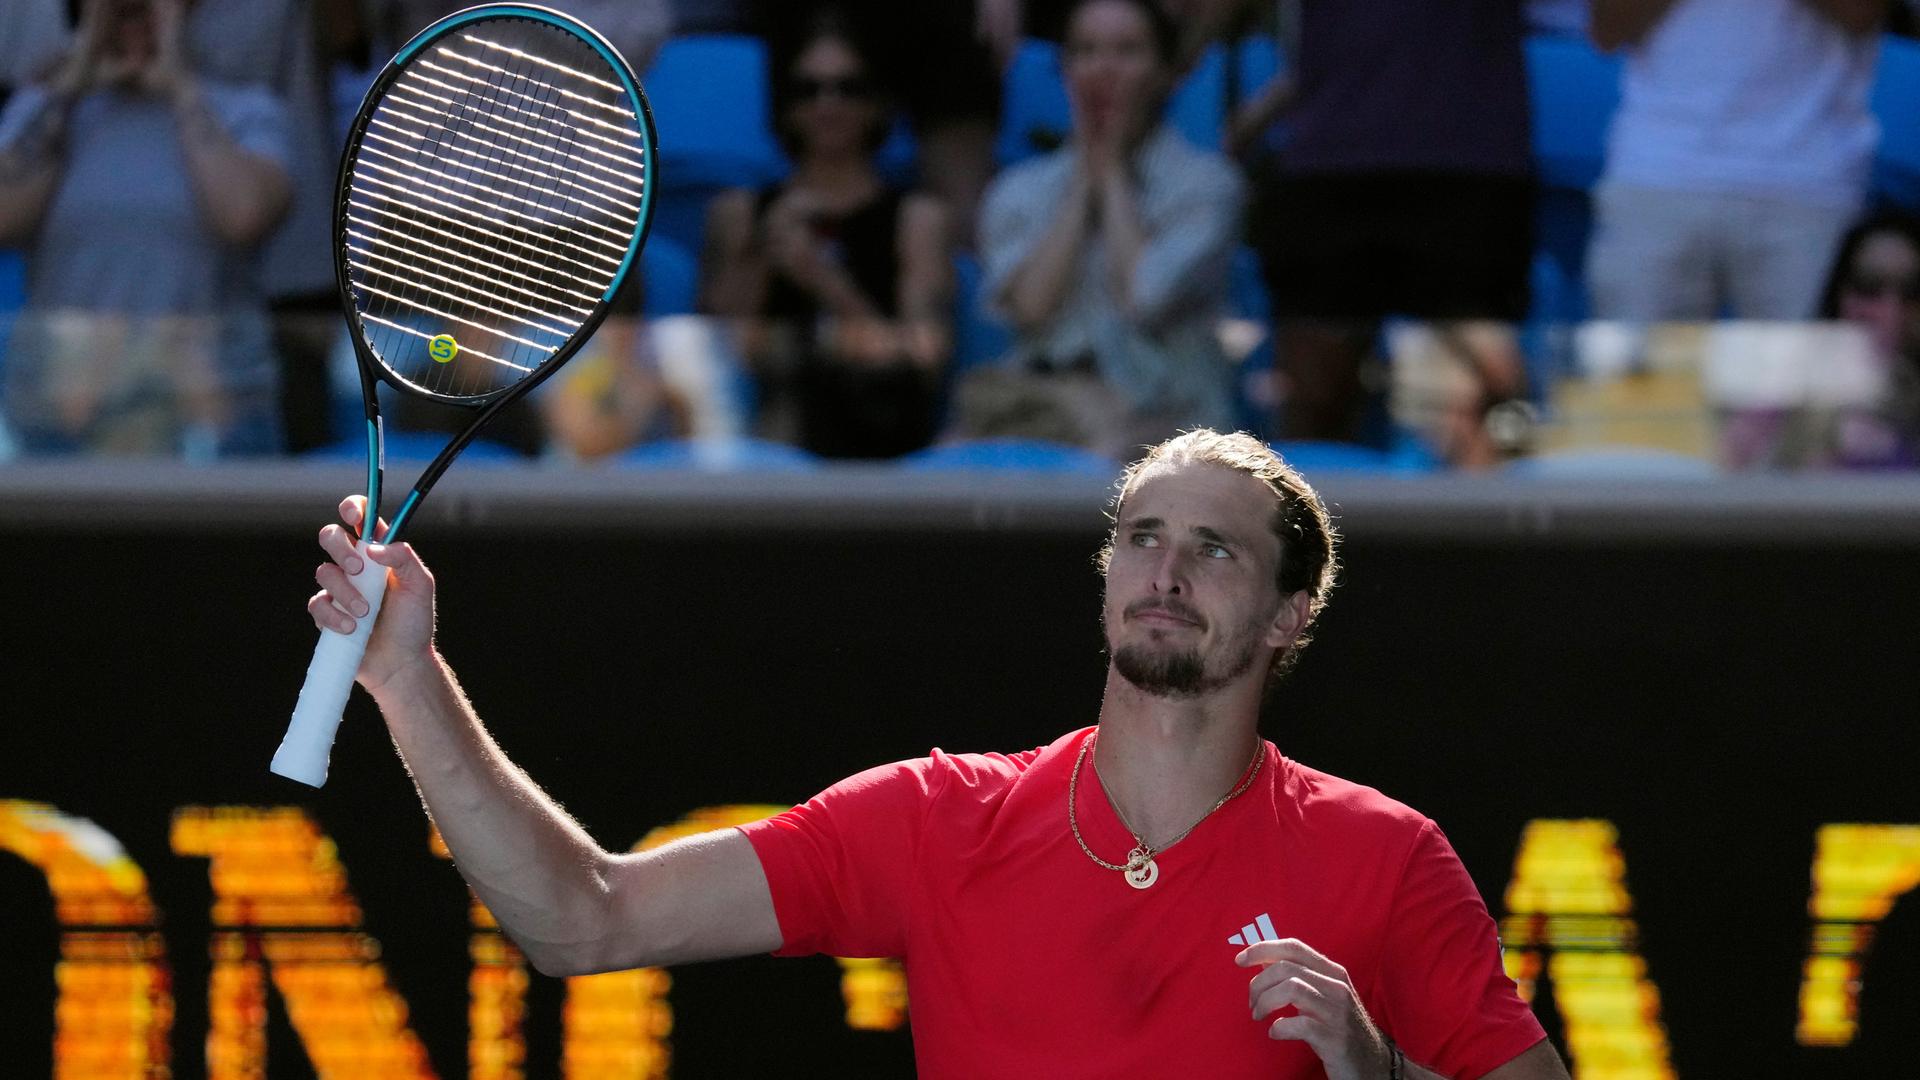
x=1162, y=893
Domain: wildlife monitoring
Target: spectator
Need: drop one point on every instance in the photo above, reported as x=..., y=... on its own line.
x=1110, y=256
x=1399, y=184
x=1739, y=155
x=944, y=59
x=143, y=192
x=1874, y=284
x=843, y=282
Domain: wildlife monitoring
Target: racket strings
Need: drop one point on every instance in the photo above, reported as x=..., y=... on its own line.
x=494, y=195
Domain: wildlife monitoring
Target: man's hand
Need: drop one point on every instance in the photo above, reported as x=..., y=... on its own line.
x=403, y=637
x=1330, y=1017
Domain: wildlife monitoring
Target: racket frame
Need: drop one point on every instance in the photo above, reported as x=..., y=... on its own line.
x=489, y=404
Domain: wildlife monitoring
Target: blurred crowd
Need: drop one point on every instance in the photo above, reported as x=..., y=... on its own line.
x=1361, y=230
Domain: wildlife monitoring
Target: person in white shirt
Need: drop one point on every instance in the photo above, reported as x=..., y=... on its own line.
x=1739, y=156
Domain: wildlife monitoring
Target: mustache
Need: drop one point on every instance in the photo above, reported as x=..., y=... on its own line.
x=1167, y=606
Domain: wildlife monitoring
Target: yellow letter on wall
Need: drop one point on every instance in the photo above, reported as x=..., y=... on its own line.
x=115, y=1011
x=1858, y=872
x=1568, y=898
x=280, y=901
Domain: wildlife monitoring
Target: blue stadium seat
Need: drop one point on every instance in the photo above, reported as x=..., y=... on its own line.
x=709, y=99
x=13, y=280
x=1575, y=89
x=1896, y=102
x=1034, y=102
x=978, y=337
x=1198, y=106
x=670, y=276
x=738, y=454
x=1009, y=455
x=1247, y=296
x=1259, y=57
x=415, y=446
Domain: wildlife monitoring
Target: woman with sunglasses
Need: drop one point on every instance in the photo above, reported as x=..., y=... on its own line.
x=1874, y=284
x=839, y=281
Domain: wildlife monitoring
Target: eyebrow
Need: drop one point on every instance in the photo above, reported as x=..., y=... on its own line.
x=1204, y=532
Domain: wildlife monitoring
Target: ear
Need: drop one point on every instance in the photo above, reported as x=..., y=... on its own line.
x=1289, y=620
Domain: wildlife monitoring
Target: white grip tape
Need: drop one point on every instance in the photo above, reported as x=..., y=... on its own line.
x=316, y=716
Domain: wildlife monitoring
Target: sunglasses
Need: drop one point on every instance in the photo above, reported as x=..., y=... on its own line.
x=857, y=87
x=1879, y=285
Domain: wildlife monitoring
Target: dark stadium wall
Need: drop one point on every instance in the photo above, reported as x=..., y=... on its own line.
x=1716, y=704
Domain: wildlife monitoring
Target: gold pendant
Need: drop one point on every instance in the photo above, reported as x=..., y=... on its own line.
x=1141, y=871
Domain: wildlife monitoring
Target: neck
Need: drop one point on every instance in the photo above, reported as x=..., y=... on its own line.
x=1165, y=762
x=835, y=174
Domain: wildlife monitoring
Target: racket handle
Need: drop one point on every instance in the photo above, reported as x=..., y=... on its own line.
x=323, y=699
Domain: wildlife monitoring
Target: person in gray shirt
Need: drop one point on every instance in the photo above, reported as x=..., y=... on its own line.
x=1110, y=256
x=142, y=193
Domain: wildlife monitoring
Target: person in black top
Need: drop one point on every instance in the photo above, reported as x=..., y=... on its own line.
x=841, y=284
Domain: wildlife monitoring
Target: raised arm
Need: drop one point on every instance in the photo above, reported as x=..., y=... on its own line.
x=32, y=159
x=571, y=906
x=925, y=292
x=242, y=195
x=31, y=163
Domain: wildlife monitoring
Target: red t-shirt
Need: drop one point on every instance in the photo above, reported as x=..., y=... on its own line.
x=1025, y=959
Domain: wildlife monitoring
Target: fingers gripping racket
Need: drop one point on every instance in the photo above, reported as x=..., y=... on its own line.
x=496, y=187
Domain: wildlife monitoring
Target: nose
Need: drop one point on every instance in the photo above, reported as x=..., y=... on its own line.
x=1169, y=573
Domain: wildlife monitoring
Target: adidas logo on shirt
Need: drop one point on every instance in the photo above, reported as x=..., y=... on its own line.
x=1260, y=929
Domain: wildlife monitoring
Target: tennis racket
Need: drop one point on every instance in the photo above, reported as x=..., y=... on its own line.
x=494, y=193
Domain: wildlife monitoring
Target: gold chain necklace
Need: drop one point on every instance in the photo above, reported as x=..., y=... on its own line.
x=1140, y=870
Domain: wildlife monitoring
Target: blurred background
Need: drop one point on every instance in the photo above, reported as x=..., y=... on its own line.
x=1596, y=321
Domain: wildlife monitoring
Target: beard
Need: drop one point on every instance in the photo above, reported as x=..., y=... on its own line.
x=1182, y=673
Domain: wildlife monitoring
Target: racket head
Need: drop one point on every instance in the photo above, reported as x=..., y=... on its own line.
x=495, y=190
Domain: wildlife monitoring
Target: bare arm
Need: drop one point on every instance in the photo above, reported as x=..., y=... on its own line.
x=733, y=271
x=1039, y=285
x=30, y=168
x=31, y=163
x=241, y=195
x=926, y=281
x=1856, y=17
x=571, y=906
x=1615, y=23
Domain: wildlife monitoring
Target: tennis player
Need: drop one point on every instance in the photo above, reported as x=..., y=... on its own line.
x=1162, y=893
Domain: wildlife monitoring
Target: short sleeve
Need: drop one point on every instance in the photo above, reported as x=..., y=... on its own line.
x=841, y=865
x=1444, y=995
